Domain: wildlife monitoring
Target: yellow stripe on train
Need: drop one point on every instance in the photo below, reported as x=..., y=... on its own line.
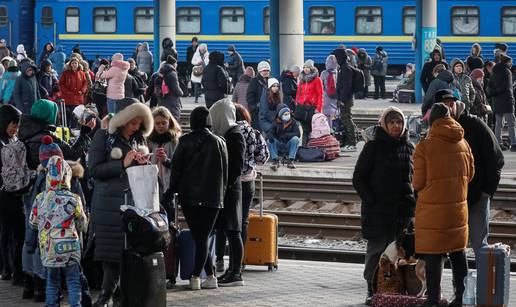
x=309, y=38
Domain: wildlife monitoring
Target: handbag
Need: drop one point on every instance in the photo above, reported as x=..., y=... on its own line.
x=304, y=113
x=100, y=87
x=198, y=70
x=310, y=154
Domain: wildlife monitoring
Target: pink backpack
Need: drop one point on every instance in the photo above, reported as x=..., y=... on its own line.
x=320, y=126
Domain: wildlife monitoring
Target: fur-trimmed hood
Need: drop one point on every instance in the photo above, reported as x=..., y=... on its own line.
x=128, y=113
x=77, y=169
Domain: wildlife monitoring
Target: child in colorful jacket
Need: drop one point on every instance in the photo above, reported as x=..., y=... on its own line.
x=58, y=215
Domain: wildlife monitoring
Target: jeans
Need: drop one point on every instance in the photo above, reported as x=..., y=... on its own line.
x=379, y=86
x=197, y=90
x=509, y=117
x=375, y=248
x=478, y=220
x=291, y=147
x=72, y=273
x=111, y=105
x=433, y=268
x=201, y=221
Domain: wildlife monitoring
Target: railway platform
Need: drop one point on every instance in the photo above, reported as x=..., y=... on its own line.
x=295, y=283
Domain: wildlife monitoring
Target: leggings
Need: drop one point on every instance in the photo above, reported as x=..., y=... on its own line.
x=201, y=222
x=434, y=271
x=236, y=251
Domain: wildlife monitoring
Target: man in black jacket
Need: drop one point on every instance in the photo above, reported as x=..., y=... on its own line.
x=427, y=72
x=345, y=99
x=215, y=79
x=235, y=65
x=257, y=88
x=190, y=51
x=489, y=162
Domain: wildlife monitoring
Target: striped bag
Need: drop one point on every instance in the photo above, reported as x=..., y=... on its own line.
x=329, y=144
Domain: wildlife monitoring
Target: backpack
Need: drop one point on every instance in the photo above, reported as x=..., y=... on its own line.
x=261, y=151
x=358, y=80
x=320, y=126
x=146, y=234
x=157, y=86
x=16, y=174
x=331, y=89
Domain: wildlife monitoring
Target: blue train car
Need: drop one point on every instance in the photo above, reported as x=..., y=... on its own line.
x=17, y=23
x=105, y=27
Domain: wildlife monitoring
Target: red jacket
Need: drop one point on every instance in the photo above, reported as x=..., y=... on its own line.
x=311, y=93
x=70, y=84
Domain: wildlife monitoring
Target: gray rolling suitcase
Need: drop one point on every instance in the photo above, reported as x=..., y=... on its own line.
x=493, y=275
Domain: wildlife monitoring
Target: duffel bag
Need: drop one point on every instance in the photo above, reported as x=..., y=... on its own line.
x=329, y=144
x=310, y=154
x=146, y=234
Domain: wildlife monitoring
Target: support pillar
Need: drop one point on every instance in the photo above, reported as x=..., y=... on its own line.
x=426, y=35
x=156, y=43
x=166, y=15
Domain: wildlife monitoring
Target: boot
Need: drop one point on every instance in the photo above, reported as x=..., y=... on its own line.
x=103, y=299
x=18, y=279
x=28, y=287
x=39, y=289
x=369, y=297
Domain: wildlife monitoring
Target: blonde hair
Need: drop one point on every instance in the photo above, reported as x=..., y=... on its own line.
x=174, y=128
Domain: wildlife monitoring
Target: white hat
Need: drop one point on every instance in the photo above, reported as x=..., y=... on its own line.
x=263, y=65
x=271, y=82
x=79, y=111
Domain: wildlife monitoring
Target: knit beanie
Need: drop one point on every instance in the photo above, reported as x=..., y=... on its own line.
x=45, y=110
x=12, y=66
x=200, y=118
x=283, y=111
x=48, y=149
x=309, y=64
x=117, y=57
x=264, y=65
x=502, y=46
x=477, y=73
x=271, y=82
x=439, y=110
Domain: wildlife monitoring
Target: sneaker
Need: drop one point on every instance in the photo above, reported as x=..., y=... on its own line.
x=349, y=148
x=290, y=164
x=220, y=265
x=195, y=283
x=275, y=165
x=221, y=277
x=18, y=280
x=232, y=280
x=210, y=283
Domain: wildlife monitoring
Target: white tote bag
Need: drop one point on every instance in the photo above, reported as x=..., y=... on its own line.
x=143, y=181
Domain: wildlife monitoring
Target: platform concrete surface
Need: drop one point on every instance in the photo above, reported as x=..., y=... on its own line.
x=296, y=283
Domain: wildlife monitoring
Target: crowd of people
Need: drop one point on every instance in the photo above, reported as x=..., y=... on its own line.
x=125, y=114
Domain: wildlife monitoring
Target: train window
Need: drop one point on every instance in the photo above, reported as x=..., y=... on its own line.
x=266, y=20
x=144, y=20
x=322, y=20
x=104, y=20
x=509, y=20
x=4, y=19
x=368, y=20
x=47, y=16
x=188, y=20
x=465, y=20
x=72, y=19
x=232, y=20
x=409, y=20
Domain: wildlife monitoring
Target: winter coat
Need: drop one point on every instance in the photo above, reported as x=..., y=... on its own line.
x=59, y=216
x=345, y=83
x=26, y=89
x=48, y=83
x=7, y=83
x=73, y=86
x=487, y=155
x=235, y=66
x=382, y=178
x=110, y=181
x=443, y=81
x=200, y=169
x=408, y=83
x=267, y=114
x=480, y=99
x=443, y=168
x=33, y=129
x=133, y=88
x=500, y=89
x=197, y=57
x=144, y=59
x=463, y=83
x=58, y=58
x=365, y=63
x=379, y=66
x=427, y=73
x=310, y=90
x=255, y=91
x=190, y=51
x=168, y=49
x=215, y=79
x=115, y=76
x=240, y=91
x=289, y=89
x=283, y=132
x=330, y=107
x=45, y=54
x=172, y=100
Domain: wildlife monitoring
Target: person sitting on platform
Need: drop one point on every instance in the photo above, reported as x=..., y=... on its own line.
x=284, y=136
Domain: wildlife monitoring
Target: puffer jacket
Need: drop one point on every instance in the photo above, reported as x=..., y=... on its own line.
x=464, y=84
x=240, y=91
x=73, y=86
x=144, y=59
x=443, y=81
x=443, y=168
x=48, y=83
x=115, y=75
x=26, y=89
x=7, y=85
x=380, y=62
x=500, y=89
x=330, y=107
x=310, y=90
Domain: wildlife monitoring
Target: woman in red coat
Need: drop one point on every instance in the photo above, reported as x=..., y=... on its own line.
x=309, y=93
x=73, y=86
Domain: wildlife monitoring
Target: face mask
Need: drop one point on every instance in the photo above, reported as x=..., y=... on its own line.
x=285, y=117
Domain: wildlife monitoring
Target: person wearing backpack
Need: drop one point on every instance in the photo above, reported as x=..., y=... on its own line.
x=379, y=70
x=12, y=218
x=329, y=80
x=171, y=96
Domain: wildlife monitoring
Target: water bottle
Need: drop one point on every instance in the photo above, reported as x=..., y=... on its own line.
x=469, y=298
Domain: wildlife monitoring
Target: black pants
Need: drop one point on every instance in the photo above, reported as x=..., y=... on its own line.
x=379, y=86
x=434, y=271
x=247, y=199
x=197, y=90
x=236, y=250
x=12, y=234
x=307, y=129
x=111, y=276
x=201, y=222
x=366, y=90
x=375, y=248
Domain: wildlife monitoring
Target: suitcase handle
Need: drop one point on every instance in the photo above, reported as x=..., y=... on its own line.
x=259, y=174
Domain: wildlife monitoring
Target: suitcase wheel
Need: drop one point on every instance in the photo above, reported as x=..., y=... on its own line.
x=273, y=267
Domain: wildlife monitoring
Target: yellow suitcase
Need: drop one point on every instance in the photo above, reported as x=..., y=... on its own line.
x=261, y=247
x=64, y=134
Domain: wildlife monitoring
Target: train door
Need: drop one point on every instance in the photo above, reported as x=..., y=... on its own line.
x=5, y=25
x=25, y=33
x=46, y=28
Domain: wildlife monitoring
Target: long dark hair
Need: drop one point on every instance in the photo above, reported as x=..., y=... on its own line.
x=242, y=113
x=273, y=98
